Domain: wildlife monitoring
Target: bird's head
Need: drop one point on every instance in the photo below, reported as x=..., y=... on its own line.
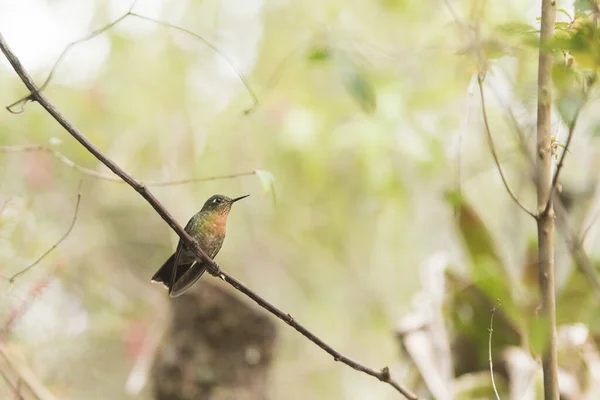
x=220, y=204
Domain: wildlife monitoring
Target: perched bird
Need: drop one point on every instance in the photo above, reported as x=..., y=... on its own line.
x=208, y=227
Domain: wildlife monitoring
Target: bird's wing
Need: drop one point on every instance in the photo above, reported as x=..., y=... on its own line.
x=187, y=279
x=177, y=256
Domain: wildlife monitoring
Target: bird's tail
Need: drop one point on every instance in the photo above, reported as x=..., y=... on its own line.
x=163, y=275
x=187, y=279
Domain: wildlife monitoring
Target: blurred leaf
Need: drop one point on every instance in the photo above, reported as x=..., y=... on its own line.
x=515, y=28
x=357, y=82
x=319, y=54
x=486, y=271
x=469, y=309
x=267, y=181
x=595, y=130
x=493, y=49
x=565, y=12
x=577, y=300
x=569, y=104
x=583, y=5
x=478, y=385
x=563, y=76
x=475, y=234
x=583, y=43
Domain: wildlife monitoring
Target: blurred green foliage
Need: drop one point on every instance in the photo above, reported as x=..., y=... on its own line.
x=368, y=133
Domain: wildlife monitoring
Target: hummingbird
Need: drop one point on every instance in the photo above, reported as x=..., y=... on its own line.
x=207, y=227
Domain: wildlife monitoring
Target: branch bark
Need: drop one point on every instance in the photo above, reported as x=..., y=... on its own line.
x=545, y=221
x=214, y=269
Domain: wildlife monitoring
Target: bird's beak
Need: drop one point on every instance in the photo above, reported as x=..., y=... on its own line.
x=239, y=198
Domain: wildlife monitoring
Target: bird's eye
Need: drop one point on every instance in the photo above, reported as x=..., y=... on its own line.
x=217, y=200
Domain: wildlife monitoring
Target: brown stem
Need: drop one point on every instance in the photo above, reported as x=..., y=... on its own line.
x=214, y=268
x=545, y=222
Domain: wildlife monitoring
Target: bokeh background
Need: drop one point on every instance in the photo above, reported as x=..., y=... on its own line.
x=368, y=113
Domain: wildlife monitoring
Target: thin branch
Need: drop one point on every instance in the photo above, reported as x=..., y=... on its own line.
x=493, y=149
x=491, y=330
x=521, y=136
x=228, y=60
x=190, y=243
x=560, y=164
x=67, y=233
x=584, y=232
x=99, y=175
x=383, y=375
x=103, y=29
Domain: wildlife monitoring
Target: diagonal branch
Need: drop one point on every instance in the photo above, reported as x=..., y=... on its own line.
x=106, y=27
x=214, y=269
x=493, y=149
x=99, y=175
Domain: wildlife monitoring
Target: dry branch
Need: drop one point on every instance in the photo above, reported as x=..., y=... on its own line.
x=214, y=269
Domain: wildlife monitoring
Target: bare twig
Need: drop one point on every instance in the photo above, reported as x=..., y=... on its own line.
x=213, y=47
x=561, y=161
x=491, y=330
x=103, y=29
x=574, y=240
x=493, y=149
x=111, y=178
x=545, y=221
x=190, y=243
x=33, y=264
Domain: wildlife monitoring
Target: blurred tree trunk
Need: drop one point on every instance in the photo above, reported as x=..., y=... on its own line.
x=217, y=347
